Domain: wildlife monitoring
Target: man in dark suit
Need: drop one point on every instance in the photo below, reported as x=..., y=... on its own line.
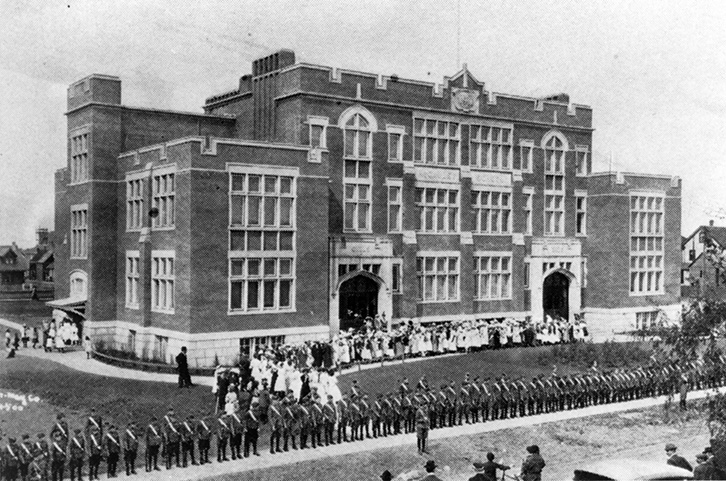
x=704, y=468
x=676, y=460
x=533, y=465
x=185, y=380
x=487, y=471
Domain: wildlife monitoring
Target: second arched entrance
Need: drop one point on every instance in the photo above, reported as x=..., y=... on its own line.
x=358, y=300
x=555, y=295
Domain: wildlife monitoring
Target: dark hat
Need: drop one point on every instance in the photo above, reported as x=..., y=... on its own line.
x=59, y=416
x=26, y=436
x=478, y=466
x=11, y=440
x=533, y=449
x=430, y=464
x=670, y=447
x=701, y=457
x=76, y=430
x=41, y=435
x=386, y=475
x=490, y=456
x=707, y=450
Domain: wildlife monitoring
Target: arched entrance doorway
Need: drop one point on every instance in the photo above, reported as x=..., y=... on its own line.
x=555, y=295
x=358, y=300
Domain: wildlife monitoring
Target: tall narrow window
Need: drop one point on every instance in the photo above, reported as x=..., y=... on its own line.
x=555, y=150
x=526, y=275
x=396, y=277
x=581, y=214
x=437, y=210
x=162, y=281
x=134, y=204
x=438, y=278
x=646, y=244
x=394, y=208
x=526, y=155
x=358, y=138
x=132, y=279
x=436, y=142
x=79, y=158
x=318, y=131
x=491, y=146
x=357, y=183
x=527, y=207
x=79, y=232
x=395, y=143
x=164, y=192
x=581, y=155
x=493, y=211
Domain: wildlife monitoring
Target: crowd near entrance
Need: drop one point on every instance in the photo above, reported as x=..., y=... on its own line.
x=358, y=300
x=555, y=296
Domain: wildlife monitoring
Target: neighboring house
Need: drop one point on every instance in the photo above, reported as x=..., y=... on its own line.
x=699, y=276
x=13, y=268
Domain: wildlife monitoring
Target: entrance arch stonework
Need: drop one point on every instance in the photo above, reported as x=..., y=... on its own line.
x=550, y=256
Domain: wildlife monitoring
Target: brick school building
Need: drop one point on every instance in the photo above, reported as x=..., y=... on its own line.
x=310, y=197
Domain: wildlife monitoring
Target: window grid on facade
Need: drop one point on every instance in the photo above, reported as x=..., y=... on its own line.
x=395, y=208
x=134, y=204
x=261, y=284
x=438, y=278
x=79, y=158
x=357, y=185
x=526, y=156
x=437, y=210
x=262, y=258
x=162, y=282
x=554, y=187
x=250, y=345
x=490, y=147
x=581, y=162
x=79, y=232
x=581, y=214
x=358, y=138
x=164, y=189
x=318, y=132
x=395, y=146
x=493, y=211
x=528, y=196
x=646, y=244
x=132, y=279
x=646, y=320
x=493, y=277
x=436, y=142
x=396, y=277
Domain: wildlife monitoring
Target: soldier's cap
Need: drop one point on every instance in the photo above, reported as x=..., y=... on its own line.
x=707, y=450
x=191, y=416
x=330, y=396
x=76, y=430
x=11, y=440
x=153, y=418
x=670, y=447
x=41, y=435
x=701, y=457
x=59, y=416
x=26, y=436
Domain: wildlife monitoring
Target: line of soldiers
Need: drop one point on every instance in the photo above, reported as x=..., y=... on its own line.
x=354, y=417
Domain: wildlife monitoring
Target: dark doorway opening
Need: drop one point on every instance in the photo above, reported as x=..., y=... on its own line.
x=555, y=300
x=358, y=300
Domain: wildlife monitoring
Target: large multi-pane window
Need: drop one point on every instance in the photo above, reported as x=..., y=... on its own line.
x=554, y=189
x=164, y=187
x=493, y=276
x=358, y=138
x=493, y=211
x=250, y=345
x=646, y=320
x=134, y=204
x=490, y=147
x=438, y=278
x=79, y=232
x=357, y=183
x=262, y=254
x=395, y=208
x=646, y=244
x=437, y=209
x=162, y=281
x=436, y=142
x=79, y=158
x=581, y=214
x=132, y=279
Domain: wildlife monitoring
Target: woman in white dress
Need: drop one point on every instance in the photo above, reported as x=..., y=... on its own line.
x=282, y=376
x=428, y=343
x=296, y=383
x=74, y=335
x=484, y=334
x=333, y=388
x=231, y=402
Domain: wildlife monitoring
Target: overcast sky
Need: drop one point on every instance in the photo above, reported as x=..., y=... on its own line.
x=653, y=71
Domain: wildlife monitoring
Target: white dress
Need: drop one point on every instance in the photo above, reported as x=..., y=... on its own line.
x=296, y=383
x=280, y=382
x=333, y=388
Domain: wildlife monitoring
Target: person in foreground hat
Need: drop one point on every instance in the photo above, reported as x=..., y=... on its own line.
x=386, y=476
x=533, y=465
x=487, y=471
x=704, y=468
x=676, y=460
x=430, y=467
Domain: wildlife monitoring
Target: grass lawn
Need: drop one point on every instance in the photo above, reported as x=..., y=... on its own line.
x=27, y=312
